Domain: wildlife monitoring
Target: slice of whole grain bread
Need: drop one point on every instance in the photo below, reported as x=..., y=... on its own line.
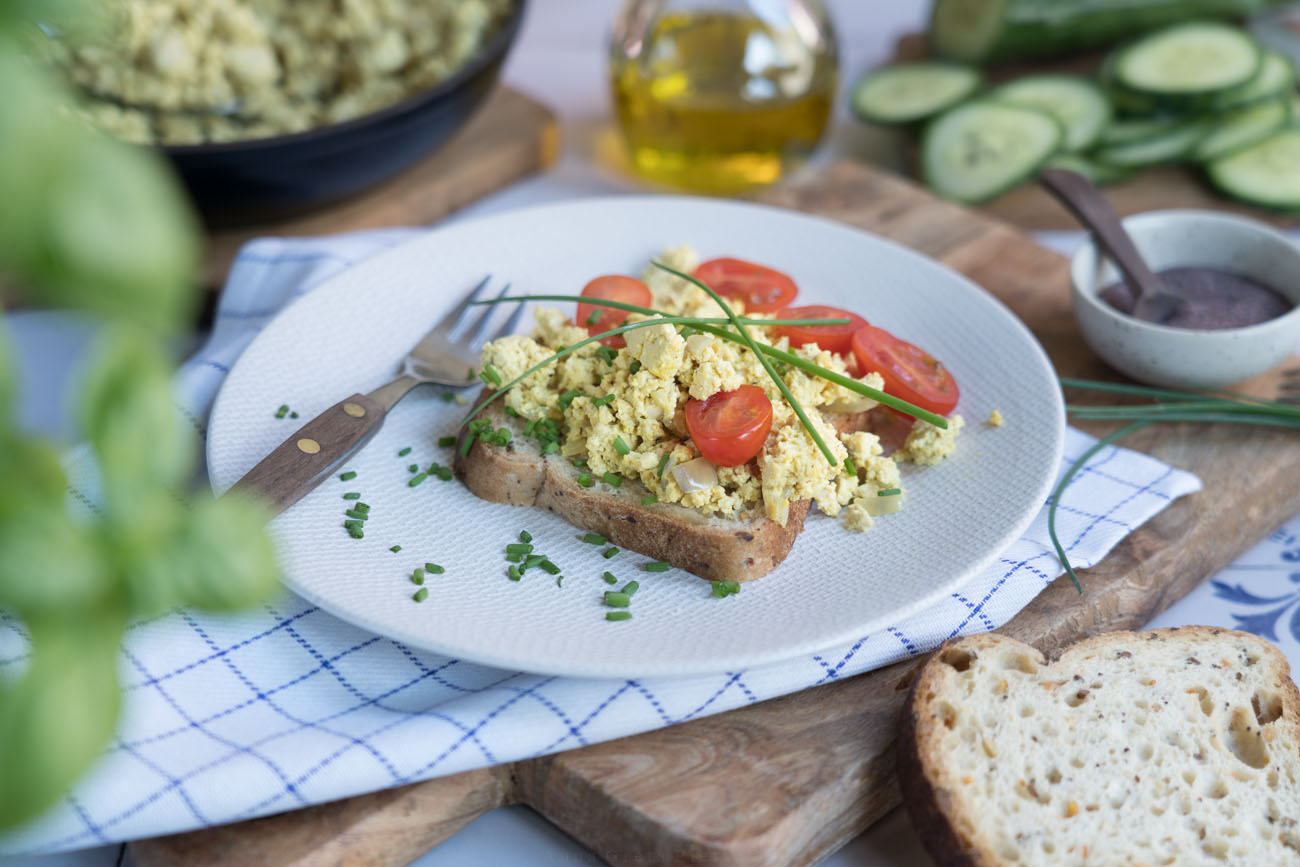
x=1174, y=746
x=714, y=548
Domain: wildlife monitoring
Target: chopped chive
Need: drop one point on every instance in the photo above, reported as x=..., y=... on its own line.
x=533, y=560
x=658, y=566
x=512, y=412
x=434, y=569
x=282, y=411
x=603, y=401
x=609, y=578
x=567, y=398
x=519, y=548
x=594, y=539
x=467, y=444
x=357, y=533
x=361, y=507
x=609, y=553
x=559, y=581
x=593, y=318
x=723, y=589
x=489, y=375
x=355, y=513
x=448, y=396
x=525, y=536
x=548, y=566
x=620, y=446
x=412, y=468
x=417, y=577
x=416, y=479
x=550, y=448
x=650, y=500
x=850, y=467
x=293, y=415
x=579, y=462
x=630, y=588
x=446, y=441
x=348, y=476
x=688, y=331
x=888, y=492
x=404, y=452
x=444, y=473
x=352, y=495
x=503, y=435
x=354, y=525
x=663, y=465
x=611, y=479
x=614, y=599
x=634, y=366
x=514, y=573
x=421, y=594
x=585, y=480
x=395, y=548
x=608, y=353
x=514, y=558
x=618, y=615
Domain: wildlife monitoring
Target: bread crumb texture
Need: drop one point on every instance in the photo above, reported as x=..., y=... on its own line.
x=1165, y=747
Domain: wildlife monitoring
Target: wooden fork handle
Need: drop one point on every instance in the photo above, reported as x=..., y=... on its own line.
x=313, y=452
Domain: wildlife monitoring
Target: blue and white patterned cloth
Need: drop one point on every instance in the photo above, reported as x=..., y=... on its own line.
x=228, y=718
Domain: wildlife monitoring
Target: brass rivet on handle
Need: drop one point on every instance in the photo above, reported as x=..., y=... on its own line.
x=308, y=446
x=355, y=410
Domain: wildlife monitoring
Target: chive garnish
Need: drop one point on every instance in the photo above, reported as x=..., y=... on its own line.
x=548, y=566
x=512, y=412
x=446, y=441
x=514, y=558
x=723, y=589
x=416, y=479
x=888, y=492
x=525, y=536
x=567, y=398
x=364, y=507
x=514, y=573
x=282, y=411
x=609, y=578
x=634, y=366
x=594, y=539
x=417, y=577
x=533, y=560
x=490, y=375
x=593, y=318
x=354, y=524
x=579, y=462
x=609, y=553
x=850, y=467
x=611, y=479
x=359, y=515
x=602, y=401
x=421, y=594
x=448, y=396
x=404, y=452
x=559, y=581
x=658, y=566
x=585, y=480
x=357, y=533
x=620, y=446
x=519, y=548
x=412, y=468
x=663, y=464
x=467, y=444
x=444, y=473
x=348, y=476
x=614, y=599
x=293, y=414
x=352, y=495
x=434, y=569
x=630, y=588
x=608, y=353
x=550, y=448
x=395, y=548
x=649, y=499
x=618, y=615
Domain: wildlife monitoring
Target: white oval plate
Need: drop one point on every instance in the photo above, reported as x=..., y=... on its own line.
x=836, y=586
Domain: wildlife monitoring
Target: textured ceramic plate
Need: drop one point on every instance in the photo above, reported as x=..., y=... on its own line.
x=836, y=586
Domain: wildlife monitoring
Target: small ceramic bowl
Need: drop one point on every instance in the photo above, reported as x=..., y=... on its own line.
x=1183, y=357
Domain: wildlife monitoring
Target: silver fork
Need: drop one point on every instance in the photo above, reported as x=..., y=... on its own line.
x=1288, y=389
x=447, y=355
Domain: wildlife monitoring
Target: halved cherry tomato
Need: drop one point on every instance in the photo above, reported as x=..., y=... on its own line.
x=762, y=289
x=833, y=338
x=910, y=373
x=611, y=287
x=730, y=427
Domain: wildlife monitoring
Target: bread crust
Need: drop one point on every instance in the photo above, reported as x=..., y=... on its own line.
x=948, y=833
x=713, y=548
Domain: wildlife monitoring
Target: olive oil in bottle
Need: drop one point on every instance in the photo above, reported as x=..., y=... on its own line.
x=720, y=101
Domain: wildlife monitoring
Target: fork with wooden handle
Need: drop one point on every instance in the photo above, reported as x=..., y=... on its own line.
x=447, y=355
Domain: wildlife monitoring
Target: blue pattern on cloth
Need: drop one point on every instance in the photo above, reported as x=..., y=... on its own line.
x=231, y=717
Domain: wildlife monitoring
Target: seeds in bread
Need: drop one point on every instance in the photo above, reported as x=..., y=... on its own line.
x=1162, y=747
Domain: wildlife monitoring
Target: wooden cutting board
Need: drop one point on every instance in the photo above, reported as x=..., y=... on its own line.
x=788, y=781
x=1153, y=189
x=510, y=137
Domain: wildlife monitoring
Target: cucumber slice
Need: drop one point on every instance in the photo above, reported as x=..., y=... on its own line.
x=1243, y=128
x=1171, y=146
x=1129, y=131
x=1080, y=105
x=979, y=149
x=1188, y=60
x=1099, y=174
x=909, y=92
x=1266, y=173
x=1276, y=76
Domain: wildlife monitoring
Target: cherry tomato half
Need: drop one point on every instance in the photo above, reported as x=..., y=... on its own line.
x=730, y=427
x=611, y=287
x=761, y=289
x=910, y=373
x=833, y=338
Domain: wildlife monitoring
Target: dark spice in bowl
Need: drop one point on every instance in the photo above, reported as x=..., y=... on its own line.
x=1213, y=299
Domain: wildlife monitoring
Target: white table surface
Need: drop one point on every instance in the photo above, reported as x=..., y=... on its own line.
x=560, y=59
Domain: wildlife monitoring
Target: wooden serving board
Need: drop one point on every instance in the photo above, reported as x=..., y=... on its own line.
x=788, y=781
x=1153, y=189
x=510, y=137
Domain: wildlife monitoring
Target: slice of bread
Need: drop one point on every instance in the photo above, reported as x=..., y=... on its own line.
x=1174, y=746
x=717, y=549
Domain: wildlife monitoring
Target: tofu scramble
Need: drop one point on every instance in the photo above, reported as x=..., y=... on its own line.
x=194, y=71
x=652, y=379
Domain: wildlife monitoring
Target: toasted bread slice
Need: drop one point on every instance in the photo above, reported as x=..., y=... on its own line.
x=1169, y=746
x=717, y=549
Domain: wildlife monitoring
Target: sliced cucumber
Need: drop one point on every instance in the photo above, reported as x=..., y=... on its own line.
x=1243, y=128
x=979, y=149
x=1129, y=131
x=1276, y=76
x=1170, y=146
x=1267, y=173
x=1099, y=173
x=1079, y=104
x=1197, y=59
x=909, y=92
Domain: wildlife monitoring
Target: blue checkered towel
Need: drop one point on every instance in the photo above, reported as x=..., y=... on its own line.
x=228, y=718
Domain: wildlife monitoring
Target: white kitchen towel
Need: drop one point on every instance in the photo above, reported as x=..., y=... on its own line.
x=231, y=717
